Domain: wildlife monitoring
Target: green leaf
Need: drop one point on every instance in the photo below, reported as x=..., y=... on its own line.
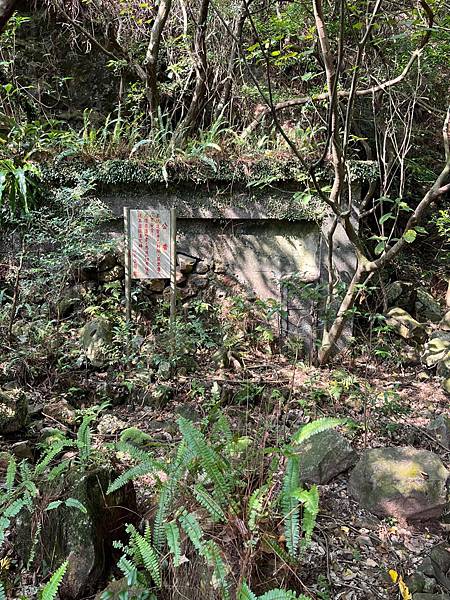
x=173, y=541
x=11, y=474
x=74, y=503
x=245, y=593
x=54, y=504
x=409, y=236
x=50, y=590
x=380, y=247
x=386, y=217
x=149, y=557
x=315, y=427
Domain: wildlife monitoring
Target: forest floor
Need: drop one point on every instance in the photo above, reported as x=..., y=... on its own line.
x=352, y=551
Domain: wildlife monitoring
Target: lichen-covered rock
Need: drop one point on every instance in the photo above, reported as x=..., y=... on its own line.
x=427, y=308
x=402, y=482
x=96, y=336
x=84, y=538
x=405, y=325
x=324, y=456
x=444, y=324
x=13, y=410
x=436, y=349
x=402, y=294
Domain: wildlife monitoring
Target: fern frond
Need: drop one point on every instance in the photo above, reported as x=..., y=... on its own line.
x=174, y=475
x=192, y=529
x=208, y=458
x=4, y=524
x=50, y=590
x=84, y=438
x=49, y=455
x=207, y=501
x=245, y=593
x=11, y=474
x=315, y=427
x=278, y=594
x=278, y=550
x=149, y=558
x=128, y=569
x=290, y=505
x=131, y=474
x=173, y=541
x=2, y=592
x=14, y=508
x=310, y=500
x=213, y=556
x=256, y=506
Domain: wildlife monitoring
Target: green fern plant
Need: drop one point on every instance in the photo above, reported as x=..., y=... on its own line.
x=50, y=589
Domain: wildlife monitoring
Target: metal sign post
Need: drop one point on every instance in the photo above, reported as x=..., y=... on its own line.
x=150, y=250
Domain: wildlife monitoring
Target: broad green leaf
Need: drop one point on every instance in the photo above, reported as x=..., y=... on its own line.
x=409, y=236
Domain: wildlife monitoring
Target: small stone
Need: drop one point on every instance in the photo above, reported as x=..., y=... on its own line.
x=402, y=482
x=110, y=424
x=363, y=540
x=324, y=456
x=22, y=450
x=180, y=277
x=405, y=325
x=371, y=563
x=156, y=286
x=186, y=263
x=13, y=410
x=198, y=281
x=201, y=268
x=60, y=410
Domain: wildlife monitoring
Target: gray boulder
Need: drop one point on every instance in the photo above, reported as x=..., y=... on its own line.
x=13, y=410
x=324, y=456
x=401, y=482
x=96, y=336
x=83, y=537
x=427, y=308
x=186, y=263
x=436, y=349
x=405, y=325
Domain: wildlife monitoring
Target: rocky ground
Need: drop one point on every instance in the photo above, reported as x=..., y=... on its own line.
x=353, y=548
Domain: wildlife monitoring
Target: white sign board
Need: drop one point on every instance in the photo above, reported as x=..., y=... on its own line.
x=150, y=244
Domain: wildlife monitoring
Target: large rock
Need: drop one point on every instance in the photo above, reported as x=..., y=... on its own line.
x=437, y=348
x=13, y=410
x=96, y=336
x=402, y=482
x=324, y=456
x=402, y=294
x=186, y=263
x=84, y=539
x=405, y=325
x=427, y=308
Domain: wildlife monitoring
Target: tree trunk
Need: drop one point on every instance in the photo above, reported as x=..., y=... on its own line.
x=151, y=59
x=7, y=7
x=201, y=67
